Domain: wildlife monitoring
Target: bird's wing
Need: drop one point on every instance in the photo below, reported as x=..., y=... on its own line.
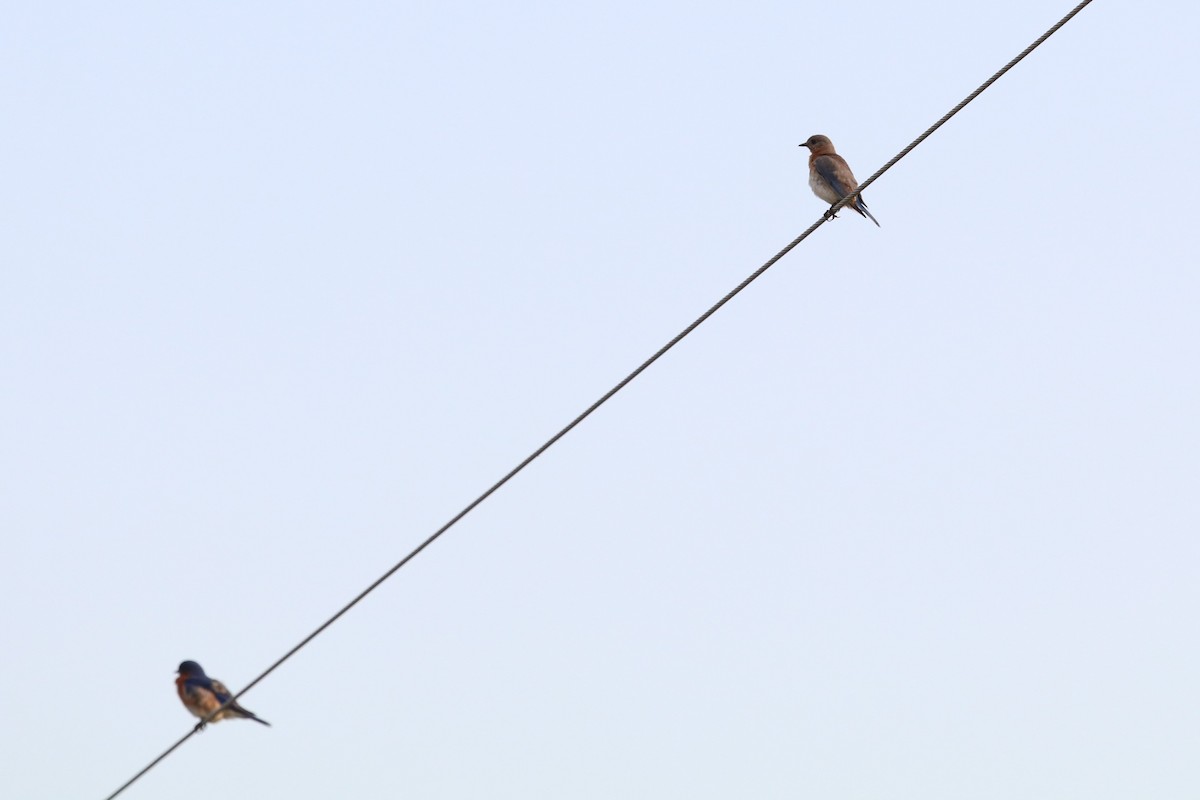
x=198, y=693
x=832, y=169
x=219, y=690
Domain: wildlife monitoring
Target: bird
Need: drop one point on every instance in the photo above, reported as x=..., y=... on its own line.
x=203, y=695
x=830, y=177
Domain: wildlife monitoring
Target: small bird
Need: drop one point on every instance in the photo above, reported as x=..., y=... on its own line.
x=830, y=177
x=203, y=695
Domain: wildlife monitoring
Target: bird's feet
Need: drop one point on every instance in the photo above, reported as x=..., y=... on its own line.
x=830, y=215
x=199, y=726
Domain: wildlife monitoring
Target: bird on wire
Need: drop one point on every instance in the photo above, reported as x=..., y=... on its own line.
x=203, y=695
x=830, y=177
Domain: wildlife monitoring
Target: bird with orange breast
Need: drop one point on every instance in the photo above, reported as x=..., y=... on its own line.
x=203, y=695
x=830, y=177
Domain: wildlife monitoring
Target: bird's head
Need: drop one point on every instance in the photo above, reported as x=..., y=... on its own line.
x=189, y=668
x=818, y=144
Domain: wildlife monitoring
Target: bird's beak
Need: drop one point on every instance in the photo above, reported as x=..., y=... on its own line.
x=802, y=144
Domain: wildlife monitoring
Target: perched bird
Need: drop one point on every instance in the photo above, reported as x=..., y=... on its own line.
x=830, y=177
x=203, y=695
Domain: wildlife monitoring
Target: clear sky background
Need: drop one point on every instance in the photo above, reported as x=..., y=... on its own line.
x=285, y=285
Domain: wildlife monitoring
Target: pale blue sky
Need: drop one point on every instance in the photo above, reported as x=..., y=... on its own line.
x=284, y=285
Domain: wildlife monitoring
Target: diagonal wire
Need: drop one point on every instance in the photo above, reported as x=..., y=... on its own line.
x=945, y=118
x=618, y=387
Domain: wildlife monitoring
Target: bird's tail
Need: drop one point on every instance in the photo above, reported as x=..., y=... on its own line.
x=241, y=712
x=861, y=207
